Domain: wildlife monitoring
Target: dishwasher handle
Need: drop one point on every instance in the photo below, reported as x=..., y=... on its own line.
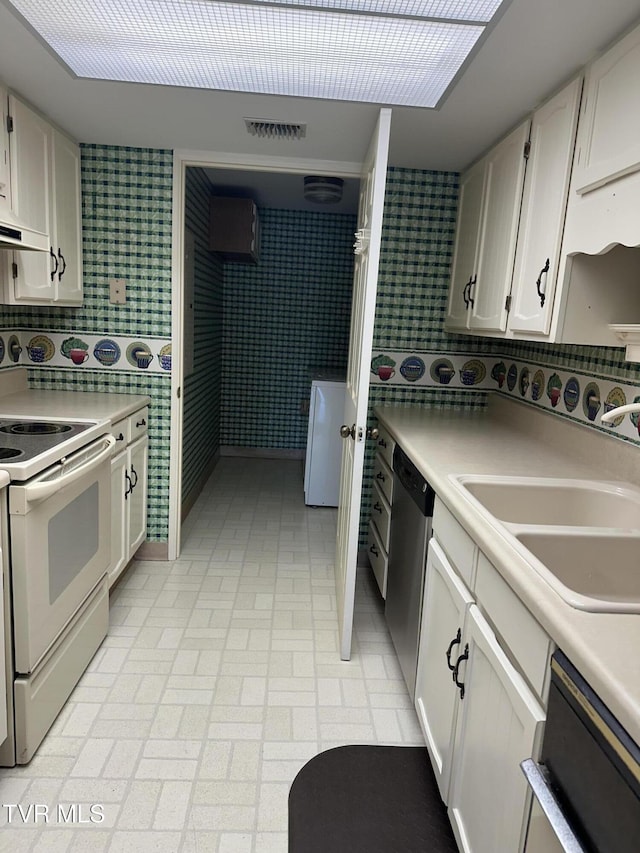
x=536, y=777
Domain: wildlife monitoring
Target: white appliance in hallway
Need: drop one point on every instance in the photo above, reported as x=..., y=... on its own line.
x=324, y=444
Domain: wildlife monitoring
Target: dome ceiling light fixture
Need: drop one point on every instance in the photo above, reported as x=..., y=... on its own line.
x=323, y=190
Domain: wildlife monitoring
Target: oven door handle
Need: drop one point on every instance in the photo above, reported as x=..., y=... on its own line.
x=40, y=491
x=536, y=776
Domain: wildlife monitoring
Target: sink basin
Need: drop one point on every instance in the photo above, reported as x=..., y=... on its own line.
x=581, y=536
x=556, y=501
x=591, y=570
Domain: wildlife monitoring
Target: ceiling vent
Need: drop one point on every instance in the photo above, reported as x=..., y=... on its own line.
x=323, y=190
x=269, y=129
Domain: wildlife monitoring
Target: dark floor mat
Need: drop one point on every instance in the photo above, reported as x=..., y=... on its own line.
x=368, y=799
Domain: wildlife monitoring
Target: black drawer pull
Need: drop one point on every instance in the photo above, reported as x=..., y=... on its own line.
x=377, y=507
x=380, y=476
x=374, y=551
x=120, y=437
x=382, y=443
x=141, y=423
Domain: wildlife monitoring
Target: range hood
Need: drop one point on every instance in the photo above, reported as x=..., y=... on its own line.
x=14, y=235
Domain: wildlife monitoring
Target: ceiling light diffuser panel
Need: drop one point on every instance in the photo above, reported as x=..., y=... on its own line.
x=382, y=51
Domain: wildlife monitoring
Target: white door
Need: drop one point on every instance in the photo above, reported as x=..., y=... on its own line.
x=365, y=283
x=499, y=724
x=466, y=249
x=504, y=181
x=446, y=600
x=546, y=188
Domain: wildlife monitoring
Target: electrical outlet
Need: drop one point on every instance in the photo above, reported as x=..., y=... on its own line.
x=117, y=291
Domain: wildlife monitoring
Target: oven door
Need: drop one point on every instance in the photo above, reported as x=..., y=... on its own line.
x=60, y=524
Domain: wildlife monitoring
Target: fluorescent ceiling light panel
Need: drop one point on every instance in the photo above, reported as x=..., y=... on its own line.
x=351, y=50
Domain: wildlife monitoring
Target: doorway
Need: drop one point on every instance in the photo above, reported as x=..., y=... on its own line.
x=258, y=328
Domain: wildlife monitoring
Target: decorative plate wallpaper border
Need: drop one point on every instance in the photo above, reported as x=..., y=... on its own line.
x=582, y=397
x=82, y=352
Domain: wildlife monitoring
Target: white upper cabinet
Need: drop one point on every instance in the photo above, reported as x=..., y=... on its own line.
x=466, y=248
x=45, y=191
x=544, y=203
x=602, y=211
x=609, y=140
x=486, y=236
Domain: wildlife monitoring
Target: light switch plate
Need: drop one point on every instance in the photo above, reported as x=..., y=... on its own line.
x=117, y=291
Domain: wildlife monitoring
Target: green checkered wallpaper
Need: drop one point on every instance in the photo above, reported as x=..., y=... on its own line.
x=203, y=387
x=126, y=206
x=127, y=199
x=283, y=317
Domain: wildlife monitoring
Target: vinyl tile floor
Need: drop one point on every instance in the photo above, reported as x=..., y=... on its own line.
x=219, y=678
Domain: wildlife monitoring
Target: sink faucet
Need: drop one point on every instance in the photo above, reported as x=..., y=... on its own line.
x=612, y=414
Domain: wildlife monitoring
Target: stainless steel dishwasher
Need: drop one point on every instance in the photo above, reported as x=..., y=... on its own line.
x=411, y=513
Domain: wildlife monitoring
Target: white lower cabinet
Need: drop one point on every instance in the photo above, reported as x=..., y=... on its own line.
x=446, y=600
x=128, y=493
x=499, y=723
x=479, y=693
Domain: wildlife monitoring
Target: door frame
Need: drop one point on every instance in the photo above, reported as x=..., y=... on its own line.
x=183, y=159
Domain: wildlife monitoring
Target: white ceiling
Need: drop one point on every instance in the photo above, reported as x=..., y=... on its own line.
x=535, y=46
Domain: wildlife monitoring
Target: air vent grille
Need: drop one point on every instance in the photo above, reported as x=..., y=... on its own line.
x=269, y=129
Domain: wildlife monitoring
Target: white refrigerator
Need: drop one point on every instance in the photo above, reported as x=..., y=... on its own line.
x=324, y=444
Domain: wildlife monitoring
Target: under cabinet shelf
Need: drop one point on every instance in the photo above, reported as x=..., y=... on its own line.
x=629, y=335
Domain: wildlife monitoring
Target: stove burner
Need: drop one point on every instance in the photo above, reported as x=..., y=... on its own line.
x=9, y=452
x=35, y=428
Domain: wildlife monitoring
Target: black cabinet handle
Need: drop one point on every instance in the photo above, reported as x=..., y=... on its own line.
x=472, y=283
x=465, y=293
x=55, y=260
x=463, y=656
x=382, y=443
x=541, y=293
x=135, y=474
x=377, y=507
x=120, y=437
x=380, y=476
x=64, y=264
x=374, y=551
x=141, y=423
x=454, y=642
x=128, y=487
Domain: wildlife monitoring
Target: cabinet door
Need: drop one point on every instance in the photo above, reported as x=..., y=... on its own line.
x=446, y=600
x=137, y=497
x=609, y=134
x=505, y=165
x=499, y=724
x=119, y=517
x=29, y=146
x=67, y=241
x=544, y=204
x=466, y=248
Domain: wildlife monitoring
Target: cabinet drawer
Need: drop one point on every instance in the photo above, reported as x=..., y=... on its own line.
x=378, y=558
x=385, y=446
x=138, y=422
x=527, y=642
x=121, y=431
x=381, y=515
x=455, y=541
x=383, y=476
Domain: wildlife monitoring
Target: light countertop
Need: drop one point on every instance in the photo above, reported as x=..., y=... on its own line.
x=74, y=405
x=510, y=438
x=18, y=400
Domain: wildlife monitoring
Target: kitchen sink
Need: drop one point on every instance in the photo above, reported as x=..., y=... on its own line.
x=591, y=570
x=556, y=501
x=581, y=536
